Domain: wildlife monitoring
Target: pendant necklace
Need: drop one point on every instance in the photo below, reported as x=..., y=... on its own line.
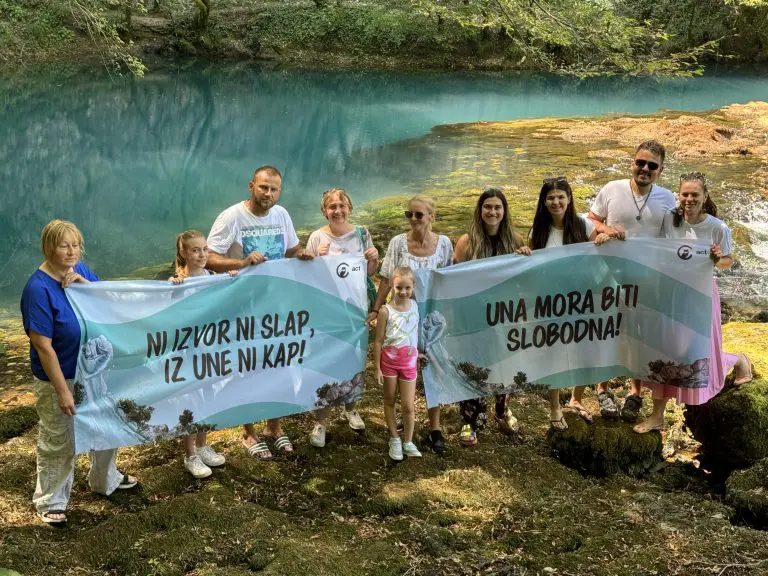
x=638, y=207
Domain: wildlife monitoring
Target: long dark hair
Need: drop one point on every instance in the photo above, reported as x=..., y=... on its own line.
x=709, y=206
x=574, y=229
x=480, y=243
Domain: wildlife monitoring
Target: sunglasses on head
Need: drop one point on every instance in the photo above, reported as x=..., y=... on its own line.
x=692, y=176
x=409, y=214
x=555, y=180
x=640, y=163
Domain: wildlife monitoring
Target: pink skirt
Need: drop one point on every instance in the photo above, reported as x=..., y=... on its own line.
x=720, y=363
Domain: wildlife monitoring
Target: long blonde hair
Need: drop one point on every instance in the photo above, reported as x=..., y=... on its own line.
x=480, y=244
x=181, y=245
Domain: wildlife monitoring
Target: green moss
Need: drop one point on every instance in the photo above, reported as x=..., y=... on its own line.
x=733, y=426
x=747, y=492
x=605, y=448
x=16, y=421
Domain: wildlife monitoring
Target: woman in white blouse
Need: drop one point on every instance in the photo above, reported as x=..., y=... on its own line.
x=418, y=248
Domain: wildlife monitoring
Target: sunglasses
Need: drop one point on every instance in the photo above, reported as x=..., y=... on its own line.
x=409, y=215
x=643, y=163
x=555, y=180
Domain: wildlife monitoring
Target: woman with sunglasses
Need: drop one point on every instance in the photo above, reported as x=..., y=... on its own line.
x=695, y=218
x=491, y=234
x=418, y=248
x=631, y=208
x=556, y=223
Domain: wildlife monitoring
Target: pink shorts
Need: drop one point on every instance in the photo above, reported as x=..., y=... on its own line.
x=400, y=362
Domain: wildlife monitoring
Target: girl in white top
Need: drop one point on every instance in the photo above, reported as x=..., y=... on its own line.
x=340, y=237
x=418, y=248
x=556, y=224
x=191, y=258
x=695, y=219
x=395, y=357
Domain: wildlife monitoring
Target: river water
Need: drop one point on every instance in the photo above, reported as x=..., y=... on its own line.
x=133, y=162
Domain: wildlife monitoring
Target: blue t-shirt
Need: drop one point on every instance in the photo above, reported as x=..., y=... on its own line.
x=46, y=310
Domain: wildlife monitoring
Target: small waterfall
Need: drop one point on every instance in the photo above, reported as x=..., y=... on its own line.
x=749, y=279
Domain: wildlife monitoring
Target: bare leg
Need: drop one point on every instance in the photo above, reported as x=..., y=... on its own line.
x=407, y=395
x=634, y=387
x=390, y=394
x=189, y=445
x=273, y=428
x=434, y=418
x=656, y=420
x=321, y=415
x=555, y=412
x=200, y=439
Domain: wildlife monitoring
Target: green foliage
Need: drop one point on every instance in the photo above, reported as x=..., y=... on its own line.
x=573, y=36
x=135, y=413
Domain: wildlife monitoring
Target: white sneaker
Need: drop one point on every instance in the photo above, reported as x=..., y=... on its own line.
x=354, y=419
x=197, y=467
x=411, y=451
x=395, y=449
x=317, y=437
x=210, y=457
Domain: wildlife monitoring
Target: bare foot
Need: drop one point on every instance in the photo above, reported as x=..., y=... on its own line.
x=743, y=370
x=557, y=420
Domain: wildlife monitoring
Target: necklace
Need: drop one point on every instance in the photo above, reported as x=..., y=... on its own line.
x=638, y=207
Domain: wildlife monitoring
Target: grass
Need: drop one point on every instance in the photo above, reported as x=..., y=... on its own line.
x=502, y=507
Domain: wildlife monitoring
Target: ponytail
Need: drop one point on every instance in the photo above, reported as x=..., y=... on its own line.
x=181, y=244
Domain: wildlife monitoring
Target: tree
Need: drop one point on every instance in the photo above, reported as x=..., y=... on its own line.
x=204, y=6
x=581, y=37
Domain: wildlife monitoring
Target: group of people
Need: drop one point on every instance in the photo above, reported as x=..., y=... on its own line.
x=258, y=229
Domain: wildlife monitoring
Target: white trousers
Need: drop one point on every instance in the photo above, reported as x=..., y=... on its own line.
x=56, y=455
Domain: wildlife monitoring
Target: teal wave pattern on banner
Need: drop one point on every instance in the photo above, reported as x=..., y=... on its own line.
x=255, y=412
x=343, y=320
x=660, y=293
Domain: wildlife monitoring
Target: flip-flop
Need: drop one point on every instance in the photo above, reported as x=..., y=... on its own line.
x=642, y=428
x=45, y=517
x=583, y=412
x=258, y=450
x=745, y=379
x=560, y=424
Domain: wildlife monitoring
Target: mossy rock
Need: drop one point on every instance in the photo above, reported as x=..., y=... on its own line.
x=604, y=448
x=732, y=427
x=8, y=572
x=16, y=421
x=747, y=492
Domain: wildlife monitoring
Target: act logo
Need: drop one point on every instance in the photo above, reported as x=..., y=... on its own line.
x=685, y=252
x=342, y=270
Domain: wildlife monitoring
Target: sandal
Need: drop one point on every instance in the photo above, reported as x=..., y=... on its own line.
x=127, y=482
x=282, y=443
x=258, y=450
x=583, y=412
x=745, y=379
x=559, y=424
x=508, y=424
x=631, y=408
x=607, y=402
x=643, y=427
x=467, y=436
x=46, y=517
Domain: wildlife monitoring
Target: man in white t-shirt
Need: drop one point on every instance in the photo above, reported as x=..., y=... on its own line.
x=248, y=234
x=627, y=209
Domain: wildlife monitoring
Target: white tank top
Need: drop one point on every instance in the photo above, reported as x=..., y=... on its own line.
x=402, y=327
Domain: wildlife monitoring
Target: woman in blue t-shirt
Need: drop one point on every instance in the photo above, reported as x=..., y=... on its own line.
x=54, y=335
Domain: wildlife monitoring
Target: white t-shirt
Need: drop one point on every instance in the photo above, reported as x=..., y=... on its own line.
x=237, y=232
x=615, y=203
x=555, y=237
x=398, y=255
x=345, y=244
x=711, y=230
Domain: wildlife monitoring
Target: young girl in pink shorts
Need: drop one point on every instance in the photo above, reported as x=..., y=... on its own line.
x=395, y=357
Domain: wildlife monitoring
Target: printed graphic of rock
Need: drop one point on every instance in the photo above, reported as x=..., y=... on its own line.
x=694, y=375
x=95, y=356
x=337, y=393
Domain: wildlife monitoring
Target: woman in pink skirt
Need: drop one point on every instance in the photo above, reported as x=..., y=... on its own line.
x=695, y=219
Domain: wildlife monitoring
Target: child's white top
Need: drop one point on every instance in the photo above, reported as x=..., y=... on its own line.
x=402, y=327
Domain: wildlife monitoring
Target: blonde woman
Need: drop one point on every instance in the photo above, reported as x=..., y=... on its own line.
x=340, y=236
x=54, y=336
x=416, y=249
